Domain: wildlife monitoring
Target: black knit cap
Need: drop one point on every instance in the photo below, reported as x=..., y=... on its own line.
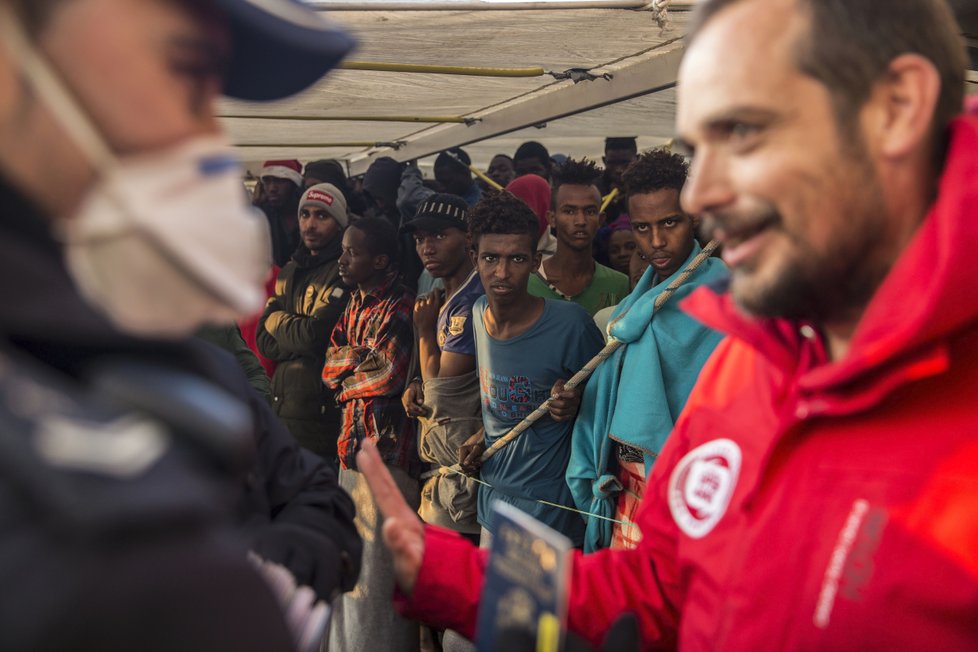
x=439, y=212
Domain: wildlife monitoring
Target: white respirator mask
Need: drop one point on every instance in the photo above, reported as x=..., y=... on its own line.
x=165, y=241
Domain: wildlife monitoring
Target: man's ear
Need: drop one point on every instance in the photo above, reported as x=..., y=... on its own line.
x=537, y=260
x=551, y=216
x=902, y=104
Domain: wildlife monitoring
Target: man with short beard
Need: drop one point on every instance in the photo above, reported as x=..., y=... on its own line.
x=294, y=330
x=819, y=489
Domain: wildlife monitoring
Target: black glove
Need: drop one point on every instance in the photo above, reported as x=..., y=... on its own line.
x=312, y=558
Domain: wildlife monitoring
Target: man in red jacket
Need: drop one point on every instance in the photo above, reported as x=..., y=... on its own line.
x=820, y=490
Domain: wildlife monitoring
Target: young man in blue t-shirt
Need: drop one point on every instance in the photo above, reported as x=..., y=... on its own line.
x=445, y=399
x=526, y=347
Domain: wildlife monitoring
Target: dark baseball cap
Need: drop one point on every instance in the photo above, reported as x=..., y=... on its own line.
x=439, y=212
x=279, y=47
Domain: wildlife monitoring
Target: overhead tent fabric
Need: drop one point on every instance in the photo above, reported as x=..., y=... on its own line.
x=632, y=53
x=628, y=45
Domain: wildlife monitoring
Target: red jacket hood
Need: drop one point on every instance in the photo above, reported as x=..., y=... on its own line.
x=930, y=293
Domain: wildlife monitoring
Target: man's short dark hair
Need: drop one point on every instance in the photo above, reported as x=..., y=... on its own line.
x=327, y=170
x=445, y=158
x=574, y=172
x=502, y=213
x=653, y=170
x=621, y=142
x=850, y=44
x=381, y=237
x=532, y=149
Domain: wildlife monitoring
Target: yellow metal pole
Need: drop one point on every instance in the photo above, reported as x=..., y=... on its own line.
x=352, y=143
x=479, y=173
x=377, y=66
x=607, y=199
x=356, y=118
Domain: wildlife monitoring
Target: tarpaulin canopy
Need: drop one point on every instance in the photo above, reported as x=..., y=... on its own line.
x=566, y=73
x=357, y=115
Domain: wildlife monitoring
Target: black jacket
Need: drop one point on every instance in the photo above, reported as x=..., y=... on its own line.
x=294, y=331
x=102, y=543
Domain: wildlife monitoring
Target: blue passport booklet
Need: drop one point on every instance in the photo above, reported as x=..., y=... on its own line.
x=526, y=583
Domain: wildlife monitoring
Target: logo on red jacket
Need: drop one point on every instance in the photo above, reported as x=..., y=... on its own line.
x=701, y=485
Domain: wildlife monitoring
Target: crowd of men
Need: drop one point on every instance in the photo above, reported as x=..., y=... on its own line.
x=779, y=454
x=436, y=320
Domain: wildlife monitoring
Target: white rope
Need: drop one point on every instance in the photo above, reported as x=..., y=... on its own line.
x=660, y=12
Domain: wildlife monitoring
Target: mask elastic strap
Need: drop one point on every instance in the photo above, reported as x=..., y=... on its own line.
x=66, y=109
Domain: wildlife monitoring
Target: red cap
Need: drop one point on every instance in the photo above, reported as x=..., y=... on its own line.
x=293, y=164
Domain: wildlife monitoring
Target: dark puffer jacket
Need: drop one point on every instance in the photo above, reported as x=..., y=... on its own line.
x=93, y=547
x=294, y=331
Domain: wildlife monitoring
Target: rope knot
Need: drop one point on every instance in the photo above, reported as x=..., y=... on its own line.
x=606, y=486
x=660, y=12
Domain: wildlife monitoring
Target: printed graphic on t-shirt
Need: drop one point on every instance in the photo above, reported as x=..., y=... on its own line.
x=457, y=325
x=509, y=397
x=454, y=320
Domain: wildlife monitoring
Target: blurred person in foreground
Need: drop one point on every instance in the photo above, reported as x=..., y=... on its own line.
x=129, y=449
x=819, y=490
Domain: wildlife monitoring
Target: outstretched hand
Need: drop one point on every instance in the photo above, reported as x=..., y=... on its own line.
x=403, y=531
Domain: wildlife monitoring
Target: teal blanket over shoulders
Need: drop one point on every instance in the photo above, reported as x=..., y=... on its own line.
x=636, y=395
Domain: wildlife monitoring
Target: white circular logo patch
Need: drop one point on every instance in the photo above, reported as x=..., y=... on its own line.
x=701, y=485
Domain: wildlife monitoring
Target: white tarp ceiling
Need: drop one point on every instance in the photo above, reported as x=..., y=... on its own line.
x=628, y=44
x=619, y=38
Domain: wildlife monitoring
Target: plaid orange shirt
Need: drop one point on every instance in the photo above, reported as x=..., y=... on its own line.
x=367, y=366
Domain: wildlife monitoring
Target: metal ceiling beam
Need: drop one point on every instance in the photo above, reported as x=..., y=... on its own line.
x=438, y=119
x=630, y=77
x=485, y=5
